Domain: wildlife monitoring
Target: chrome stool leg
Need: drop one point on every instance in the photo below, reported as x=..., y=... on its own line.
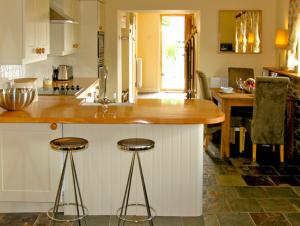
x=127, y=190
x=75, y=180
x=125, y=205
x=77, y=192
x=58, y=195
x=145, y=191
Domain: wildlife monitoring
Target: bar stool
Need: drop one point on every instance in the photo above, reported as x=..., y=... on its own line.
x=135, y=145
x=68, y=145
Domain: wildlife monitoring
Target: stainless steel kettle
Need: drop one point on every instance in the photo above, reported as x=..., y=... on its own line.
x=65, y=72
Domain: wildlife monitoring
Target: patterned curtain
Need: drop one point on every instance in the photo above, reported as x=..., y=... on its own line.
x=294, y=25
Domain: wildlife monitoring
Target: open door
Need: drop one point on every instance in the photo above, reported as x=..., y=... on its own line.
x=128, y=40
x=172, y=52
x=177, y=58
x=132, y=57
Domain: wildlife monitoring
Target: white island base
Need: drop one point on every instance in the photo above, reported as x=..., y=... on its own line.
x=173, y=170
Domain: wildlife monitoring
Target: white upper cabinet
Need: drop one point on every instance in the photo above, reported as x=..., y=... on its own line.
x=100, y=15
x=24, y=31
x=64, y=37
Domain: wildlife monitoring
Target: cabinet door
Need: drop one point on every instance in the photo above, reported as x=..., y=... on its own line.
x=36, y=30
x=69, y=38
x=42, y=25
x=29, y=169
x=76, y=41
x=101, y=15
x=30, y=17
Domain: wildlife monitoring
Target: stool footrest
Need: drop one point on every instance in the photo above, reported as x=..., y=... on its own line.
x=51, y=216
x=135, y=218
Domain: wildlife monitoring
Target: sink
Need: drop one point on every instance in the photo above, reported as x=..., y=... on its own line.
x=84, y=103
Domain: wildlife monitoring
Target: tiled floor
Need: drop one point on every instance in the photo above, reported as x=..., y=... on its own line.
x=236, y=193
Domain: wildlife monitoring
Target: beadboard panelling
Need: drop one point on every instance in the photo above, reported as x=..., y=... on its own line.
x=173, y=169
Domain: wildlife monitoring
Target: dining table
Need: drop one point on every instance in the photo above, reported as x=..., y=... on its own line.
x=240, y=98
x=226, y=101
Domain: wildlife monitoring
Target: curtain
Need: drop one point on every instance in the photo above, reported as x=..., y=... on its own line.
x=247, y=32
x=294, y=24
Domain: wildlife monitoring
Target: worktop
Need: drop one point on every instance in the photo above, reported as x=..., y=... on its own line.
x=60, y=109
x=173, y=170
x=291, y=74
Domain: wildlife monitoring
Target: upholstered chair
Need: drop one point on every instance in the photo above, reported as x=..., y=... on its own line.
x=210, y=129
x=269, y=111
x=236, y=72
x=239, y=113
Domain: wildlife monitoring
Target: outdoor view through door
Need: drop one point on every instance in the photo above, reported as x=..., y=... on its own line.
x=172, y=41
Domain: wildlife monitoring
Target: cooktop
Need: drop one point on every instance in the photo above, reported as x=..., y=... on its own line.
x=63, y=90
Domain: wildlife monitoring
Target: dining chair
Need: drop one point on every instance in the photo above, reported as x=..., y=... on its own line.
x=235, y=73
x=206, y=95
x=269, y=111
x=239, y=113
x=211, y=129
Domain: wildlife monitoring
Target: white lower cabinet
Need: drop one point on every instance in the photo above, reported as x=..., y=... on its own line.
x=29, y=169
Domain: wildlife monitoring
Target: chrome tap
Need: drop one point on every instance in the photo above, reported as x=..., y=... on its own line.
x=105, y=100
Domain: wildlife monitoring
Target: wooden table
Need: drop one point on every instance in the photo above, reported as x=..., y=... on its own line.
x=227, y=101
x=241, y=99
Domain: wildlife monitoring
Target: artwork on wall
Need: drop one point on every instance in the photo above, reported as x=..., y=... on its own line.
x=240, y=31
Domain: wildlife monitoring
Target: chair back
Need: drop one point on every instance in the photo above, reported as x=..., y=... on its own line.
x=269, y=110
x=203, y=85
x=236, y=72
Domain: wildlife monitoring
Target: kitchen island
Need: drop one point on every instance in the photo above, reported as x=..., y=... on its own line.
x=173, y=169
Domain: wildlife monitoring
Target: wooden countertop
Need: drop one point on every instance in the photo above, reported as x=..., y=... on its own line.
x=290, y=74
x=60, y=109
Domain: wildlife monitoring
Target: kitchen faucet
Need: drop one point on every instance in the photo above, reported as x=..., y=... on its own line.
x=105, y=100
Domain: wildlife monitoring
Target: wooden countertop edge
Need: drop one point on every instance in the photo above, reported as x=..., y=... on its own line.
x=291, y=74
x=69, y=110
x=115, y=122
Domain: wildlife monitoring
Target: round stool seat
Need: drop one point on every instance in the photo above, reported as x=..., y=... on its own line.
x=69, y=144
x=136, y=144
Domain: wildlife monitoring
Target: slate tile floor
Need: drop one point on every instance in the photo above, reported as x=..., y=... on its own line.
x=236, y=192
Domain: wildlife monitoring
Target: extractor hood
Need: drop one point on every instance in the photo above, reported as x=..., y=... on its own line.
x=59, y=17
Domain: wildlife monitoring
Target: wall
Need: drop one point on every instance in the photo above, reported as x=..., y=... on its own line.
x=148, y=48
x=210, y=61
x=282, y=13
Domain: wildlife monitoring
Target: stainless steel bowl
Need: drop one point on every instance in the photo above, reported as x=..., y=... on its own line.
x=14, y=99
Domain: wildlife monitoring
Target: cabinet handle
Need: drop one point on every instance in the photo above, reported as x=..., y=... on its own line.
x=76, y=45
x=53, y=126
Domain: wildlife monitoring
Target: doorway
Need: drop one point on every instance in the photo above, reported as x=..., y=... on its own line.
x=152, y=54
x=172, y=52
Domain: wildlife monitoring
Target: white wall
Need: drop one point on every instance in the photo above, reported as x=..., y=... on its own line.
x=210, y=61
x=148, y=48
x=282, y=13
